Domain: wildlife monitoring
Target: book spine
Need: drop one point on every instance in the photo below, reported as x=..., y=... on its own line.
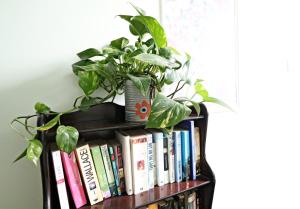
x=73, y=178
x=154, y=162
x=115, y=169
x=185, y=154
x=108, y=169
x=166, y=160
x=119, y=160
x=171, y=158
x=100, y=170
x=159, y=151
x=198, y=150
x=89, y=175
x=177, y=147
x=139, y=164
x=126, y=154
x=60, y=180
x=192, y=149
x=150, y=161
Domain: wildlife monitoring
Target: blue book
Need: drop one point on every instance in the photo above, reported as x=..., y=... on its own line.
x=189, y=125
x=177, y=150
x=115, y=169
x=185, y=154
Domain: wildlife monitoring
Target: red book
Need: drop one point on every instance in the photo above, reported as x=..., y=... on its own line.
x=74, y=180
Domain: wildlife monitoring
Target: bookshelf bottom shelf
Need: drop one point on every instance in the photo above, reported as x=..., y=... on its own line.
x=148, y=197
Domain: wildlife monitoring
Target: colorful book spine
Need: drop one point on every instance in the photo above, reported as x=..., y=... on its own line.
x=60, y=180
x=100, y=170
x=159, y=151
x=73, y=178
x=139, y=163
x=150, y=161
x=124, y=139
x=88, y=173
x=108, y=169
x=166, y=159
x=198, y=150
x=185, y=154
x=114, y=168
x=177, y=148
x=119, y=160
x=171, y=159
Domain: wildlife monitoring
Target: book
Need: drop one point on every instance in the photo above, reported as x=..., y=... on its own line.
x=108, y=169
x=171, y=158
x=124, y=139
x=73, y=178
x=100, y=170
x=154, y=161
x=60, y=180
x=114, y=168
x=159, y=156
x=88, y=173
x=189, y=125
x=185, y=154
x=192, y=201
x=162, y=204
x=176, y=135
x=198, y=150
x=180, y=201
x=170, y=202
x=166, y=158
x=153, y=206
x=139, y=164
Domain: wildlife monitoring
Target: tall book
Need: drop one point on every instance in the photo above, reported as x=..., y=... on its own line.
x=114, y=168
x=139, y=161
x=198, y=150
x=166, y=159
x=185, y=154
x=89, y=174
x=192, y=201
x=124, y=139
x=108, y=169
x=177, y=149
x=100, y=170
x=154, y=161
x=60, y=180
x=159, y=156
x=189, y=125
x=153, y=206
x=73, y=178
x=171, y=158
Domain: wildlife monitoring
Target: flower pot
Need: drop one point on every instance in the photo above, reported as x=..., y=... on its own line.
x=137, y=106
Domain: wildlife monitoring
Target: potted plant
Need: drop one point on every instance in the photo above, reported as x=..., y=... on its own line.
x=140, y=69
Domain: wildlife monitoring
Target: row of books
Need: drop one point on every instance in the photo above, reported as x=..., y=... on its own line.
x=191, y=201
x=134, y=162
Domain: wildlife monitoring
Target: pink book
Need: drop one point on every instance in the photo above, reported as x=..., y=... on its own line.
x=74, y=180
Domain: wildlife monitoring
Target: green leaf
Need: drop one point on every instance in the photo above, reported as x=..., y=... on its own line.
x=154, y=59
x=166, y=112
x=165, y=52
x=34, y=150
x=88, y=53
x=119, y=43
x=200, y=90
x=154, y=28
x=196, y=106
x=136, y=28
x=217, y=101
x=23, y=154
x=41, y=108
x=170, y=76
x=88, y=81
x=78, y=65
x=50, y=124
x=141, y=83
x=87, y=102
x=66, y=138
x=139, y=10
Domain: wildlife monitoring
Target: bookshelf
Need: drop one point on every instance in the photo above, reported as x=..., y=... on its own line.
x=99, y=122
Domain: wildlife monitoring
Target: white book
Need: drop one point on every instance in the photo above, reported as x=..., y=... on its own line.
x=177, y=149
x=154, y=162
x=150, y=161
x=166, y=159
x=89, y=175
x=171, y=158
x=139, y=161
x=159, y=156
x=124, y=139
x=60, y=180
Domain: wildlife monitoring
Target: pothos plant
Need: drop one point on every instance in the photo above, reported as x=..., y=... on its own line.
x=148, y=62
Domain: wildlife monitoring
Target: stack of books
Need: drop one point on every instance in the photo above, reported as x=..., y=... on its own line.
x=134, y=162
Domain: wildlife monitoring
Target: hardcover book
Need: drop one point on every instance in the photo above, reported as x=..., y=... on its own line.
x=185, y=154
x=150, y=161
x=100, y=170
x=159, y=156
x=88, y=173
x=198, y=150
x=60, y=180
x=171, y=158
x=166, y=159
x=114, y=168
x=177, y=147
x=74, y=179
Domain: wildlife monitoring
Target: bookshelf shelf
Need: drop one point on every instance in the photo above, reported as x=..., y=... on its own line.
x=99, y=123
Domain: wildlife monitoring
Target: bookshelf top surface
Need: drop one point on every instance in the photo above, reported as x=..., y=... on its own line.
x=148, y=197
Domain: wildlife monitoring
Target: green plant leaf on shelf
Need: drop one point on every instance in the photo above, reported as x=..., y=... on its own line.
x=22, y=155
x=41, y=108
x=154, y=28
x=141, y=83
x=87, y=102
x=88, y=53
x=217, y=101
x=50, y=124
x=166, y=112
x=196, y=105
x=88, y=81
x=138, y=9
x=200, y=90
x=184, y=100
x=34, y=150
x=154, y=59
x=135, y=27
x=119, y=43
x=78, y=65
x=66, y=138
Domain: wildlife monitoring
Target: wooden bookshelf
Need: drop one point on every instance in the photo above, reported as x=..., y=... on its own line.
x=99, y=122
